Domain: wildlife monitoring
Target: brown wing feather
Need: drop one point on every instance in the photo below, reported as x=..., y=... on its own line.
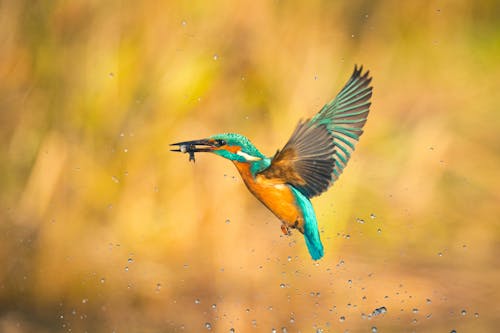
x=306, y=161
x=319, y=149
x=283, y=167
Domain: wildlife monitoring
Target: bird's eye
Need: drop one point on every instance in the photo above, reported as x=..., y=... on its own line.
x=220, y=142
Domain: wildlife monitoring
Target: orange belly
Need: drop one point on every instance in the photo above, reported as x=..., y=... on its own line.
x=276, y=196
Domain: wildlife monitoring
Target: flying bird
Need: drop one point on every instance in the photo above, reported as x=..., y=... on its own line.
x=309, y=163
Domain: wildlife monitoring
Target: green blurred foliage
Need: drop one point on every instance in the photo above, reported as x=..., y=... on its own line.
x=103, y=230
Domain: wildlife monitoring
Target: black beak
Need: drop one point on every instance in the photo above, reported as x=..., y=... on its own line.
x=190, y=147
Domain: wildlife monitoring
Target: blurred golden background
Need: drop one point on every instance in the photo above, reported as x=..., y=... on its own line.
x=104, y=230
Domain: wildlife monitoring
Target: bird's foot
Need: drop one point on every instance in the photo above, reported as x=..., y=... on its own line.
x=286, y=230
x=299, y=227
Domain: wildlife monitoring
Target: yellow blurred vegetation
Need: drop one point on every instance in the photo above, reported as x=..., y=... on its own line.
x=104, y=230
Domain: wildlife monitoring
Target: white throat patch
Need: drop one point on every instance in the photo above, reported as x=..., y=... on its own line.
x=247, y=156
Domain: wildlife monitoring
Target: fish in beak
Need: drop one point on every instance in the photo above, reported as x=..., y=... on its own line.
x=195, y=146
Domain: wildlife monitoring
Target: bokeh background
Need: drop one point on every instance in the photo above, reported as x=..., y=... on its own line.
x=104, y=230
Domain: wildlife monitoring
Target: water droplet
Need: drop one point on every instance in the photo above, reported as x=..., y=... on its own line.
x=361, y=221
x=428, y=300
x=289, y=258
x=379, y=230
x=378, y=311
x=349, y=282
x=284, y=330
x=476, y=315
x=111, y=74
x=115, y=179
x=273, y=330
x=429, y=315
x=315, y=77
x=208, y=326
x=319, y=330
x=214, y=306
x=102, y=280
x=342, y=319
x=231, y=330
x=453, y=331
x=282, y=285
x=85, y=300
x=130, y=260
x=270, y=308
x=126, y=268
x=158, y=287
x=352, y=35
x=228, y=221
x=125, y=150
x=197, y=301
x=254, y=323
x=440, y=254
x=216, y=57
x=414, y=310
x=373, y=216
x=184, y=23
x=463, y=313
x=374, y=329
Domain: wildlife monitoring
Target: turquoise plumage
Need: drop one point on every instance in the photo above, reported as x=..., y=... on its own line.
x=311, y=231
x=346, y=115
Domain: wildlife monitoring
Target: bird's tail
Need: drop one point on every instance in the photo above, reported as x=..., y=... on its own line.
x=311, y=232
x=313, y=242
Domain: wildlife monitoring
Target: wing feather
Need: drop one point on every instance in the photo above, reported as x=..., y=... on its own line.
x=320, y=148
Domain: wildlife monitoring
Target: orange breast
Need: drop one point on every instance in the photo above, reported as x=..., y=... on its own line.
x=276, y=196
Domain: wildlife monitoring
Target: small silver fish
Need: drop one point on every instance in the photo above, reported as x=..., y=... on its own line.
x=190, y=149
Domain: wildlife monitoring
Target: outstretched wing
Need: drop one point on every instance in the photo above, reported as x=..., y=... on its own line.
x=319, y=149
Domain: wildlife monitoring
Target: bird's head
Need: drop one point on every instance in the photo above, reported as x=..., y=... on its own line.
x=234, y=147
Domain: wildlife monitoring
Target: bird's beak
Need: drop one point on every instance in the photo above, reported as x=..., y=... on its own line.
x=195, y=146
x=191, y=146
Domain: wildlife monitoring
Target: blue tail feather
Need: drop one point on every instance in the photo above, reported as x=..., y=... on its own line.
x=311, y=232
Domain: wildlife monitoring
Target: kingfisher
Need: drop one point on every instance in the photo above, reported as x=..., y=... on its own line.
x=309, y=163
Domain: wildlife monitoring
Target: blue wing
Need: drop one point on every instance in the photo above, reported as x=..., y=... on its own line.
x=319, y=149
x=345, y=117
